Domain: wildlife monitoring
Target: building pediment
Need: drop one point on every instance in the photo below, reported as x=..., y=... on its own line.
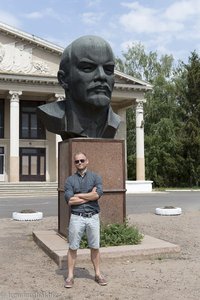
x=129, y=82
x=25, y=54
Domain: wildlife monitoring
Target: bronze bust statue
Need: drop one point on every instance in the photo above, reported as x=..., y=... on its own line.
x=86, y=73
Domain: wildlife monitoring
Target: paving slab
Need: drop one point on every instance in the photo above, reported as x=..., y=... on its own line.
x=56, y=247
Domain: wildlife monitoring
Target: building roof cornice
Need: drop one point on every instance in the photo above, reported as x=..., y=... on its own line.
x=133, y=80
x=31, y=38
x=24, y=78
x=52, y=80
x=130, y=81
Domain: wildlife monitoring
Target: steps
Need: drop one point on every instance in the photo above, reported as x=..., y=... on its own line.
x=25, y=189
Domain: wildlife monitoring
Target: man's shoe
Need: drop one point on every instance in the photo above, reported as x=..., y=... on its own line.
x=69, y=283
x=100, y=280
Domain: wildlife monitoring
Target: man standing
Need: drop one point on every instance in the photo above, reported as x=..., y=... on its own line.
x=82, y=191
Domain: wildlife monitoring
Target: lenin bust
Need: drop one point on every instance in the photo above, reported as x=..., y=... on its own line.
x=86, y=73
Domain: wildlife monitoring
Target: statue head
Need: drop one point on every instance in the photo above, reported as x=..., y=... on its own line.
x=87, y=71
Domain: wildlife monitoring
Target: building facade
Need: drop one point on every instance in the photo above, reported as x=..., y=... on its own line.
x=28, y=78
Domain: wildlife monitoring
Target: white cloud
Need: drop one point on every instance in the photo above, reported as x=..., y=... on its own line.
x=9, y=19
x=141, y=19
x=93, y=2
x=159, y=44
x=183, y=10
x=48, y=12
x=195, y=32
x=128, y=44
x=159, y=41
x=91, y=18
x=197, y=47
x=59, y=42
x=132, y=5
x=34, y=15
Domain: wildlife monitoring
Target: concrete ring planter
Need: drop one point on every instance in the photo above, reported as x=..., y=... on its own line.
x=175, y=211
x=27, y=216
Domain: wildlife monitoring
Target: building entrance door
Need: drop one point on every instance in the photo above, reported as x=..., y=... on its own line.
x=32, y=164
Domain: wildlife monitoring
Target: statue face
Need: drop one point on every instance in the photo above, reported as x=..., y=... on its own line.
x=91, y=75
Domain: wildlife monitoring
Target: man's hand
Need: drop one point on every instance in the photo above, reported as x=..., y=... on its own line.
x=75, y=200
x=91, y=196
x=84, y=197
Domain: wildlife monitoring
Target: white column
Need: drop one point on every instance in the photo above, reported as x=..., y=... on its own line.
x=121, y=132
x=14, y=135
x=59, y=97
x=140, y=161
x=58, y=139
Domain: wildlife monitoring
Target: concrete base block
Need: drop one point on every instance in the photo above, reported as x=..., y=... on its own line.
x=138, y=186
x=56, y=247
x=113, y=201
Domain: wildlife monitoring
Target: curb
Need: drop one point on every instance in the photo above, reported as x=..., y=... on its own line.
x=56, y=247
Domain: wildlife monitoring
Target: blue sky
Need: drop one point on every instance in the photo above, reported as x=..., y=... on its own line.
x=165, y=26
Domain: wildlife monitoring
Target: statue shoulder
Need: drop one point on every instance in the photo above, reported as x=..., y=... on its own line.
x=53, y=116
x=113, y=119
x=54, y=109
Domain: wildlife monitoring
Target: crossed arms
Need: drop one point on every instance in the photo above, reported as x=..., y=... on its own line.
x=84, y=197
x=91, y=187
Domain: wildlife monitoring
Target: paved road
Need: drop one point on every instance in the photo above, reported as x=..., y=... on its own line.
x=48, y=205
x=140, y=203
x=135, y=203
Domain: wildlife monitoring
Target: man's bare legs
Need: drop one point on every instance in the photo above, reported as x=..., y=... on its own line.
x=71, y=260
x=95, y=258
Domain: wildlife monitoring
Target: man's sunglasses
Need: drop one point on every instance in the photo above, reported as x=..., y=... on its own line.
x=79, y=161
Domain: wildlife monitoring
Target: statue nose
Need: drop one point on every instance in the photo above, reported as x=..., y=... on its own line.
x=100, y=73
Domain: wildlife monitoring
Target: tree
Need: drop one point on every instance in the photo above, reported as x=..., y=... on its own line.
x=188, y=100
x=171, y=115
x=146, y=66
x=161, y=123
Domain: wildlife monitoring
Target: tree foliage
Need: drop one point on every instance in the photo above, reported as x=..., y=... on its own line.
x=171, y=115
x=189, y=103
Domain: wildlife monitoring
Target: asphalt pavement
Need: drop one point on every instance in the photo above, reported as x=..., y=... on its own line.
x=135, y=203
x=147, y=203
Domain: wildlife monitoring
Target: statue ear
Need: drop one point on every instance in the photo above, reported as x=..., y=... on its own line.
x=62, y=79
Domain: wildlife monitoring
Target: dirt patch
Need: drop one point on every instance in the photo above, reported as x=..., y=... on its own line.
x=26, y=272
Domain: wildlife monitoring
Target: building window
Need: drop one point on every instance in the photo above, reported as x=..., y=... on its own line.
x=32, y=164
x=30, y=125
x=1, y=118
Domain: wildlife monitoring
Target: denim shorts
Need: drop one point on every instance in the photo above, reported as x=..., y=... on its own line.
x=79, y=225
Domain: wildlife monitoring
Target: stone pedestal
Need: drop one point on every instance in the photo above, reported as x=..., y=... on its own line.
x=106, y=158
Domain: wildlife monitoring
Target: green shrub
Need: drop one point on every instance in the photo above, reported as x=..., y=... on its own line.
x=116, y=235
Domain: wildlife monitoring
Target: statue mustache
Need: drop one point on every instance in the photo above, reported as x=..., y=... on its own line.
x=100, y=86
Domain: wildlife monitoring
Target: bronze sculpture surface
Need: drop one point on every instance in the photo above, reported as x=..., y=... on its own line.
x=86, y=73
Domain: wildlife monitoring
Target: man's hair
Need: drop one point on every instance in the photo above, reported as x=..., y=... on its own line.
x=79, y=152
